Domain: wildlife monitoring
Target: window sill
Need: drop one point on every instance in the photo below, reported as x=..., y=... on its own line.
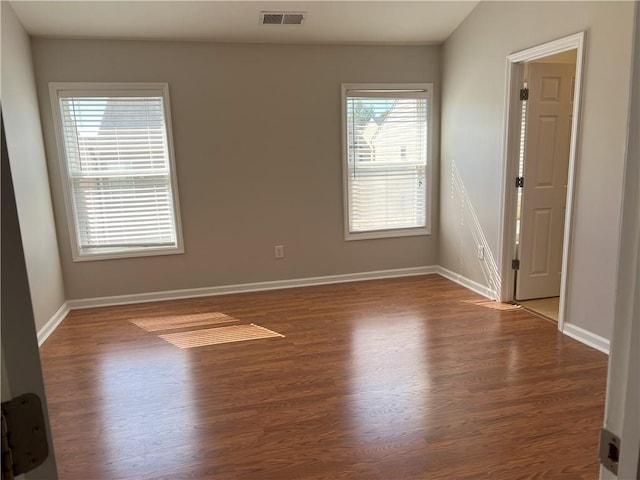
x=115, y=253
x=405, y=232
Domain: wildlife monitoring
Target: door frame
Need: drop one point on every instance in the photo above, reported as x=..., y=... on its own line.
x=515, y=77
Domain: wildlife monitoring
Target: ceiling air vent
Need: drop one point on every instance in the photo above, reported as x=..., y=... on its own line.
x=282, y=18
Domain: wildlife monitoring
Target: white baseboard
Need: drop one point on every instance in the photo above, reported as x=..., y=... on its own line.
x=246, y=287
x=55, y=320
x=586, y=337
x=467, y=283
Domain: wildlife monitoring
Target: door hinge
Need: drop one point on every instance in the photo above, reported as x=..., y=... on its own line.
x=609, y=450
x=519, y=182
x=24, y=437
x=524, y=94
x=515, y=264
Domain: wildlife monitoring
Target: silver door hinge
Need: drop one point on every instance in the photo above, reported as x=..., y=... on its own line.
x=519, y=182
x=24, y=437
x=515, y=264
x=524, y=94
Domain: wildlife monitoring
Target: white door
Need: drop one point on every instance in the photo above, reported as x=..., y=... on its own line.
x=546, y=165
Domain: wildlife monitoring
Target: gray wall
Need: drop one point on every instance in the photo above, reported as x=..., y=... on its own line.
x=29, y=170
x=257, y=132
x=473, y=107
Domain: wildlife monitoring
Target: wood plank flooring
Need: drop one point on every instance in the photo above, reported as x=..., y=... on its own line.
x=413, y=378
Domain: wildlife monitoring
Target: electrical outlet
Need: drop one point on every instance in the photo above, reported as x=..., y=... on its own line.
x=480, y=252
x=279, y=251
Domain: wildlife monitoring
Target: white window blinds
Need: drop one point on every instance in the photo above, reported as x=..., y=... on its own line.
x=386, y=160
x=119, y=171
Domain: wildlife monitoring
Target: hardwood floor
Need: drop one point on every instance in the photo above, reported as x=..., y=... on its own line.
x=413, y=378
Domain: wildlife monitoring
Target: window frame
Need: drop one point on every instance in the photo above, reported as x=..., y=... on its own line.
x=113, y=89
x=427, y=90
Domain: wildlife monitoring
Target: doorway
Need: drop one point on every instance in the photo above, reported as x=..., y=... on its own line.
x=543, y=96
x=545, y=134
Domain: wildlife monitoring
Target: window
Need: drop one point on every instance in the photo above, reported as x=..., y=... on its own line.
x=386, y=160
x=117, y=166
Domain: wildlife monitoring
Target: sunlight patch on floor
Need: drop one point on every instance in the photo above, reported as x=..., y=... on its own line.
x=213, y=336
x=171, y=322
x=491, y=304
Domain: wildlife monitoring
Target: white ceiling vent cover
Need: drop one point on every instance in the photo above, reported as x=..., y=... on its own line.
x=282, y=18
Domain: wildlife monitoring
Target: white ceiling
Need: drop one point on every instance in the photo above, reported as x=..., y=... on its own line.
x=358, y=22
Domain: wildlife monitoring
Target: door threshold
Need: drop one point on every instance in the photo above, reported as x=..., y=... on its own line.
x=544, y=307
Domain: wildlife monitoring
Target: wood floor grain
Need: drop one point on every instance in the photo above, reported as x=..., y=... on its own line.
x=413, y=378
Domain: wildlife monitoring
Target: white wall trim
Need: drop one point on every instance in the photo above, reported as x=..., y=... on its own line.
x=246, y=287
x=550, y=48
x=414, y=90
x=585, y=336
x=55, y=320
x=58, y=90
x=515, y=68
x=467, y=283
